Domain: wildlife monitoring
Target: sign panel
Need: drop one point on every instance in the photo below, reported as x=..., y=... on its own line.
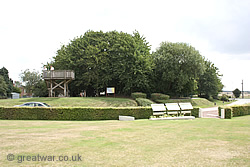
x=111, y=90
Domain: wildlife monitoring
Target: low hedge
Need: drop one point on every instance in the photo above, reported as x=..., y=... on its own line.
x=136, y=95
x=235, y=111
x=241, y=110
x=143, y=102
x=21, y=113
x=228, y=112
x=195, y=112
x=159, y=96
x=78, y=114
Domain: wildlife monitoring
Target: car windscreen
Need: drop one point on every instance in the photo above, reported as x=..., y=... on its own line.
x=46, y=105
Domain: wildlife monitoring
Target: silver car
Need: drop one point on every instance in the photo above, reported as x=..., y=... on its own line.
x=33, y=104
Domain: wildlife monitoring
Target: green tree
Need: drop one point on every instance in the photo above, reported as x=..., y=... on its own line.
x=40, y=89
x=5, y=73
x=3, y=87
x=30, y=79
x=34, y=83
x=209, y=83
x=237, y=93
x=106, y=59
x=16, y=89
x=177, y=67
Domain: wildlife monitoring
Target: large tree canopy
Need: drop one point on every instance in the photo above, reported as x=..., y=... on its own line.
x=178, y=66
x=124, y=61
x=106, y=59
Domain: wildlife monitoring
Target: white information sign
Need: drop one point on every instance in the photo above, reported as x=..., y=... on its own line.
x=111, y=90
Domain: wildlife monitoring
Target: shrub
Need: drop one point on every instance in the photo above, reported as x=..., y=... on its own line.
x=136, y=95
x=224, y=98
x=143, y=102
x=210, y=98
x=159, y=96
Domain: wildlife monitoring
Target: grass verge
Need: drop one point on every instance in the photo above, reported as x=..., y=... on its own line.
x=199, y=142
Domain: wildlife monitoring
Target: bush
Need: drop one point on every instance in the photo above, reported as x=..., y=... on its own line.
x=224, y=98
x=210, y=98
x=143, y=102
x=80, y=114
x=159, y=96
x=136, y=95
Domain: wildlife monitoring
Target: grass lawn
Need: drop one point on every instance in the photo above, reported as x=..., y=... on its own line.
x=199, y=142
x=103, y=102
x=204, y=103
x=74, y=102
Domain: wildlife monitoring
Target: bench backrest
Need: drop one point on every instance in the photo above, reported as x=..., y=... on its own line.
x=172, y=106
x=158, y=107
x=186, y=106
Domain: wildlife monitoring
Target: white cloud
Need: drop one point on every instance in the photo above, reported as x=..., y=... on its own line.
x=32, y=31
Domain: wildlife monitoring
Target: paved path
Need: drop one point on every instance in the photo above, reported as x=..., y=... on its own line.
x=212, y=112
x=239, y=102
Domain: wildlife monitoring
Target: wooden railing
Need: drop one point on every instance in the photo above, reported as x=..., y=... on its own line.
x=59, y=74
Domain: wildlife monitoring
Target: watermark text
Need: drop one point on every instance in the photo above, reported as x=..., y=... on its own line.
x=23, y=158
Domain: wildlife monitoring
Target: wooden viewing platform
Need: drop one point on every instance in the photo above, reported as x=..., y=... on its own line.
x=58, y=74
x=62, y=76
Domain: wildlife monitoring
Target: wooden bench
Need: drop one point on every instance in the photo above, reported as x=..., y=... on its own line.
x=172, y=108
x=186, y=108
x=158, y=109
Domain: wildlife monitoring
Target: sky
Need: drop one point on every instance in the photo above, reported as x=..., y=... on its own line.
x=31, y=31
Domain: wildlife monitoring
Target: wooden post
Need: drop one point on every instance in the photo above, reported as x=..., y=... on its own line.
x=51, y=90
x=65, y=87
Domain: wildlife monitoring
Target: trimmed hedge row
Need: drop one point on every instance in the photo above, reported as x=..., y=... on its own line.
x=21, y=113
x=78, y=114
x=235, y=111
x=241, y=111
